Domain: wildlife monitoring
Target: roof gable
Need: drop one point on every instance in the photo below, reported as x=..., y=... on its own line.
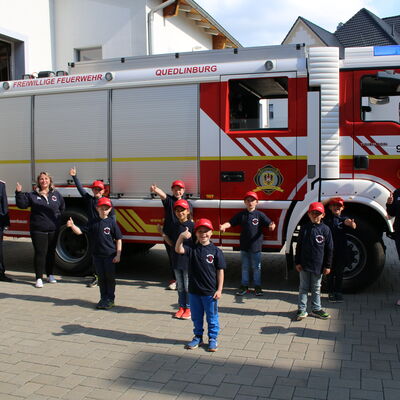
x=366, y=29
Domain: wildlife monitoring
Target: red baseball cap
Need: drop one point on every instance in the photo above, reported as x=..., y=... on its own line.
x=203, y=222
x=317, y=206
x=182, y=203
x=178, y=183
x=104, y=201
x=251, y=194
x=337, y=200
x=98, y=184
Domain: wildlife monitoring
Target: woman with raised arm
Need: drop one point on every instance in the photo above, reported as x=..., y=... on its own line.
x=47, y=206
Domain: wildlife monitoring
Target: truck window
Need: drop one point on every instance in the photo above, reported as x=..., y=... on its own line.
x=380, y=97
x=256, y=104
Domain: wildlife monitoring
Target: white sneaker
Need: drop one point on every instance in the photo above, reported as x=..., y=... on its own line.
x=171, y=285
x=39, y=283
x=51, y=279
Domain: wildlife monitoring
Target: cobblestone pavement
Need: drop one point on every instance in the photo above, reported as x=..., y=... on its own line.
x=54, y=344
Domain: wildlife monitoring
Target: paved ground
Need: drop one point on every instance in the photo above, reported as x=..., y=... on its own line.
x=54, y=344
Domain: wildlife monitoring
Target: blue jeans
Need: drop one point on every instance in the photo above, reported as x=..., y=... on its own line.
x=209, y=306
x=252, y=260
x=182, y=284
x=105, y=270
x=310, y=282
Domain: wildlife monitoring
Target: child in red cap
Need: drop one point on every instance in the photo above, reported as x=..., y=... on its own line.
x=206, y=279
x=313, y=259
x=339, y=225
x=180, y=262
x=90, y=201
x=168, y=201
x=107, y=246
x=252, y=223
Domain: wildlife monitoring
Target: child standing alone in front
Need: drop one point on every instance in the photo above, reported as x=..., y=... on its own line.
x=206, y=279
x=180, y=262
x=107, y=246
x=313, y=259
x=338, y=224
x=252, y=223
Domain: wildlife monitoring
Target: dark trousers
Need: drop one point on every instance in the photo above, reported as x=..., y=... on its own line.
x=105, y=270
x=335, y=278
x=44, y=244
x=397, y=242
x=170, y=252
x=2, y=267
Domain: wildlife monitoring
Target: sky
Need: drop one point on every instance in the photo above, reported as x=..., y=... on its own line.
x=265, y=22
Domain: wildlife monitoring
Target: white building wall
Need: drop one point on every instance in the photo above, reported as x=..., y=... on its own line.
x=177, y=34
x=118, y=26
x=29, y=21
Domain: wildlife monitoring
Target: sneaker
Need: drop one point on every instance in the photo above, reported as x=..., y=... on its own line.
x=242, y=290
x=301, y=315
x=332, y=298
x=171, y=285
x=39, y=283
x=109, y=304
x=179, y=313
x=186, y=314
x=5, y=278
x=321, y=314
x=339, y=297
x=51, y=279
x=258, y=291
x=102, y=305
x=212, y=345
x=94, y=282
x=195, y=343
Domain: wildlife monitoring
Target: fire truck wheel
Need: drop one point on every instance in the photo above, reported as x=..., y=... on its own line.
x=367, y=257
x=72, y=252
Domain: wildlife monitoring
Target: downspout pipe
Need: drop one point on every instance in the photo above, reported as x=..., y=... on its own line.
x=150, y=20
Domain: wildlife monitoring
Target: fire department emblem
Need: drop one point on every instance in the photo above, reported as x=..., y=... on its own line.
x=107, y=230
x=54, y=198
x=210, y=258
x=254, y=221
x=319, y=239
x=268, y=179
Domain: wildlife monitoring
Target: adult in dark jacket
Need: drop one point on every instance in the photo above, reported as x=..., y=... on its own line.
x=47, y=206
x=393, y=210
x=4, y=223
x=98, y=190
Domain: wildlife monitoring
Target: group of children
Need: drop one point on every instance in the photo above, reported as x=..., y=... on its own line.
x=198, y=265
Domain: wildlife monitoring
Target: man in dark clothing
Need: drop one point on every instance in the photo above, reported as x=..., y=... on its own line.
x=4, y=223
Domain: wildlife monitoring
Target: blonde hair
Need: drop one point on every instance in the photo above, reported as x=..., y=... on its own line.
x=51, y=186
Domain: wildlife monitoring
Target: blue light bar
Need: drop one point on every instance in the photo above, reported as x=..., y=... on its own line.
x=387, y=50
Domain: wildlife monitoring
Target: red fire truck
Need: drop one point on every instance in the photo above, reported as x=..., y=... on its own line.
x=294, y=124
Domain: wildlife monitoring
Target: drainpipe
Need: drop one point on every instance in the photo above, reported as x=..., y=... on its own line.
x=150, y=20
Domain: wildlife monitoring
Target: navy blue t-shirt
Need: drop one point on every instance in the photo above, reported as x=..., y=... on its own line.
x=181, y=261
x=336, y=224
x=103, y=233
x=314, y=247
x=170, y=218
x=204, y=262
x=252, y=224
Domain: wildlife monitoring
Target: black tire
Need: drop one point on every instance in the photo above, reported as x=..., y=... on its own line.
x=367, y=257
x=73, y=254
